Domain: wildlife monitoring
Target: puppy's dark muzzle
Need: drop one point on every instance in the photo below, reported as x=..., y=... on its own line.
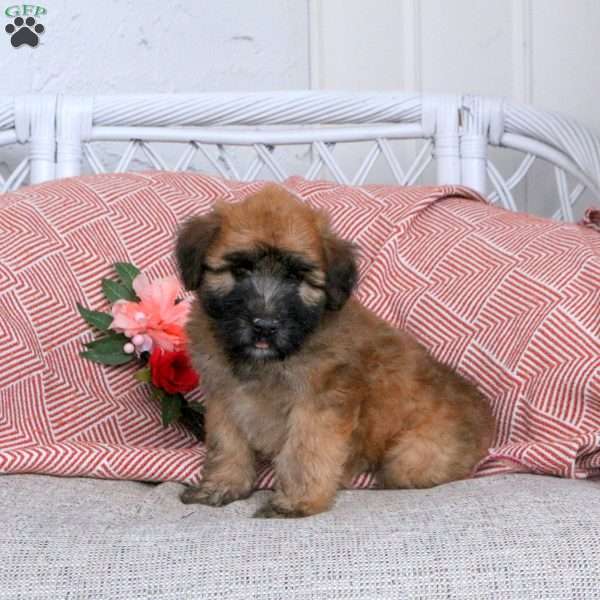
x=265, y=328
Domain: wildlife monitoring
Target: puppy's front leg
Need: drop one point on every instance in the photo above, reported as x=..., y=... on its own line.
x=229, y=471
x=309, y=467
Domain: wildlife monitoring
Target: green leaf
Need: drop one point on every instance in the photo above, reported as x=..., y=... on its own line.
x=95, y=318
x=143, y=375
x=117, y=291
x=197, y=407
x=117, y=358
x=112, y=344
x=171, y=405
x=127, y=273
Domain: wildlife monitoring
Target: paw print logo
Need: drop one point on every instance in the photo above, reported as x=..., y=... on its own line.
x=24, y=32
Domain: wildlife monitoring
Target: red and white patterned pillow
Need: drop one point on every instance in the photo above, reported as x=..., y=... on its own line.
x=511, y=301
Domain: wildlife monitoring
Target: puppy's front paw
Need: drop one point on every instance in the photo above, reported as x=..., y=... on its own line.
x=272, y=511
x=213, y=495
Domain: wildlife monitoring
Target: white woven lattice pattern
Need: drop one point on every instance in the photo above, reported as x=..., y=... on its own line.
x=266, y=160
x=14, y=165
x=270, y=162
x=503, y=187
x=13, y=177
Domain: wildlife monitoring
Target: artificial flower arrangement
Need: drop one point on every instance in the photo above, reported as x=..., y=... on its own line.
x=146, y=323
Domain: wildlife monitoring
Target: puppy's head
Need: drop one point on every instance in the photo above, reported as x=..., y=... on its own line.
x=265, y=270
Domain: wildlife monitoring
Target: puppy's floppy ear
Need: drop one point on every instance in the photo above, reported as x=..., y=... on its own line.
x=341, y=272
x=193, y=241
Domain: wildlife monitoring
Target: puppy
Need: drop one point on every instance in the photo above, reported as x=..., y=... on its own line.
x=297, y=371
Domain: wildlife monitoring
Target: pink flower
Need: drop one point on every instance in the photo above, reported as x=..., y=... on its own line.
x=155, y=318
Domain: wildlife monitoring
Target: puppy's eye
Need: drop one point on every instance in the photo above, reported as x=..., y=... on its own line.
x=295, y=276
x=240, y=272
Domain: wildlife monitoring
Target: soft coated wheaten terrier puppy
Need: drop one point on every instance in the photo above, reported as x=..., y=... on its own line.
x=297, y=371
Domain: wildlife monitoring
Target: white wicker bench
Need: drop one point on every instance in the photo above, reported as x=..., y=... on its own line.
x=282, y=133
x=511, y=536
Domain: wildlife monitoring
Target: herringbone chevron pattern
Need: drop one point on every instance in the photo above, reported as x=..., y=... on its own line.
x=511, y=301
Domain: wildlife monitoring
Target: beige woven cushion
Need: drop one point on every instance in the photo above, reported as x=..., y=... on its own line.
x=505, y=537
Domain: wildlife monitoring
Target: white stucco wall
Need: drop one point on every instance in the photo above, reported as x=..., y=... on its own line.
x=157, y=46
x=123, y=46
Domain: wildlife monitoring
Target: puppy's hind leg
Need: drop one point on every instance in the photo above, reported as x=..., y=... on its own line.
x=230, y=470
x=423, y=459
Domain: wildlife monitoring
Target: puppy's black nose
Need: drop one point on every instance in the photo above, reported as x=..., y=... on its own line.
x=265, y=326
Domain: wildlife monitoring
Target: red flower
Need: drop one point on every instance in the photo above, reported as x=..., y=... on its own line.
x=172, y=371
